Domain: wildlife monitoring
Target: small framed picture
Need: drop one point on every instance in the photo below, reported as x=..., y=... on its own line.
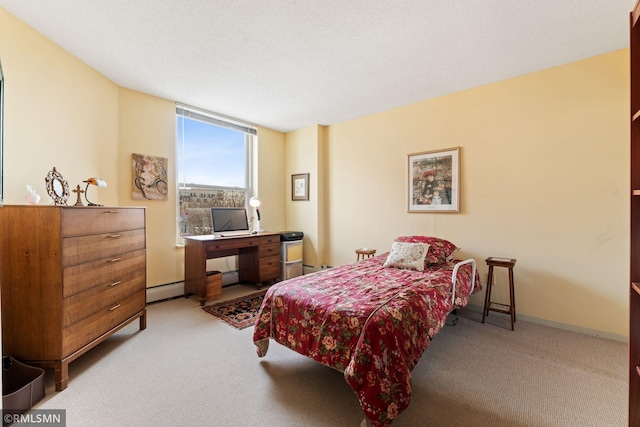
x=434, y=181
x=300, y=186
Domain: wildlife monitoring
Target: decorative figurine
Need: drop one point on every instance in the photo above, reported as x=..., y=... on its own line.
x=31, y=197
x=79, y=192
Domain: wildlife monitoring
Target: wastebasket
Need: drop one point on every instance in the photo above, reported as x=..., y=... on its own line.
x=214, y=285
x=22, y=386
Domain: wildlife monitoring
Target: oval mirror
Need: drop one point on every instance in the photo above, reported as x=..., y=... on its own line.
x=57, y=187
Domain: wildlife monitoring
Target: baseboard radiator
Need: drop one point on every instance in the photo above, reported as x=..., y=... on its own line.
x=176, y=289
x=306, y=269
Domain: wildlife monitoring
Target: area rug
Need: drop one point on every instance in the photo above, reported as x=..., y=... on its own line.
x=238, y=312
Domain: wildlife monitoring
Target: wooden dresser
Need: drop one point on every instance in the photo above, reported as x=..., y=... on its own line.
x=70, y=277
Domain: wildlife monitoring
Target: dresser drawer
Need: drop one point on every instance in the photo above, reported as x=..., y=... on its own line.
x=105, y=271
x=78, y=250
x=84, y=304
x=268, y=250
x=94, y=220
x=269, y=268
x=79, y=334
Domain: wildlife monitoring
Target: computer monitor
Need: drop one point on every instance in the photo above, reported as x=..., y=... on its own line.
x=229, y=220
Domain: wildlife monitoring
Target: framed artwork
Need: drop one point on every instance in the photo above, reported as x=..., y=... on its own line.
x=149, y=177
x=300, y=186
x=434, y=181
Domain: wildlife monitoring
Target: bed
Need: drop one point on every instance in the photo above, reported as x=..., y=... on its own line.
x=371, y=320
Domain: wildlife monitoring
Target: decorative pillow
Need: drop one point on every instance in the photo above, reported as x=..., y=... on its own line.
x=440, y=251
x=410, y=256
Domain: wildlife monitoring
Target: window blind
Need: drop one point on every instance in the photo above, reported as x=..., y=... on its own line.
x=215, y=119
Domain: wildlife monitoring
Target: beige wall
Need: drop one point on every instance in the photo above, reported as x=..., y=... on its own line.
x=147, y=126
x=52, y=120
x=270, y=155
x=60, y=112
x=544, y=171
x=544, y=179
x=305, y=154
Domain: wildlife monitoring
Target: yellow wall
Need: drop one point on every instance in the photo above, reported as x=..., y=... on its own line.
x=305, y=154
x=147, y=126
x=270, y=155
x=58, y=112
x=544, y=179
x=544, y=171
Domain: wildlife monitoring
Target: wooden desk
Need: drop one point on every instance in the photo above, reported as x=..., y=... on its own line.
x=258, y=259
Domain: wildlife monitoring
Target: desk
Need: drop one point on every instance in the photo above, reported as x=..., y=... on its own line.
x=258, y=259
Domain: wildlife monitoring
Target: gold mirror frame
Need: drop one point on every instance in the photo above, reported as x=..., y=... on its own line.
x=57, y=187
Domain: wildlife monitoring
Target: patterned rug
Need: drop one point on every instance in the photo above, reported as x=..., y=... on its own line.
x=239, y=312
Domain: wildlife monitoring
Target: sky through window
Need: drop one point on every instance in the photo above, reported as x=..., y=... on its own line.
x=212, y=155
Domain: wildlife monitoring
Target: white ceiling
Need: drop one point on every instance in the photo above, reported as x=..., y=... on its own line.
x=287, y=64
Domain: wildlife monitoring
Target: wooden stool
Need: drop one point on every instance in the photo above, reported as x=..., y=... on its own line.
x=493, y=306
x=363, y=253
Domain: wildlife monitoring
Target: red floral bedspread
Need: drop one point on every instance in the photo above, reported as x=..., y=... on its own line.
x=370, y=322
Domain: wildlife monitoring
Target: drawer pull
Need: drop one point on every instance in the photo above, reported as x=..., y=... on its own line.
x=114, y=236
x=114, y=260
x=111, y=212
x=111, y=285
x=114, y=307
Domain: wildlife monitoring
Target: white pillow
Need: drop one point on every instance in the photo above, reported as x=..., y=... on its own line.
x=407, y=255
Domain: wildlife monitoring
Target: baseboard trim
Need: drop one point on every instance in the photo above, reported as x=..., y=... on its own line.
x=558, y=325
x=306, y=268
x=166, y=291
x=176, y=289
x=172, y=290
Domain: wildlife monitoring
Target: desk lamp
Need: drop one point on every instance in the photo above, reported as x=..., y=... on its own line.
x=255, y=203
x=93, y=181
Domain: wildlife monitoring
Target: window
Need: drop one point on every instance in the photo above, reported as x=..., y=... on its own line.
x=214, y=167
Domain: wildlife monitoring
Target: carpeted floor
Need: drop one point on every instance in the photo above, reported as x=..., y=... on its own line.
x=190, y=369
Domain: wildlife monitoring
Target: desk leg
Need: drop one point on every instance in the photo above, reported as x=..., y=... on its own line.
x=513, y=298
x=487, y=295
x=195, y=270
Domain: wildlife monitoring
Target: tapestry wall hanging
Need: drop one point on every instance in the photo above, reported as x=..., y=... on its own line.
x=434, y=181
x=149, y=177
